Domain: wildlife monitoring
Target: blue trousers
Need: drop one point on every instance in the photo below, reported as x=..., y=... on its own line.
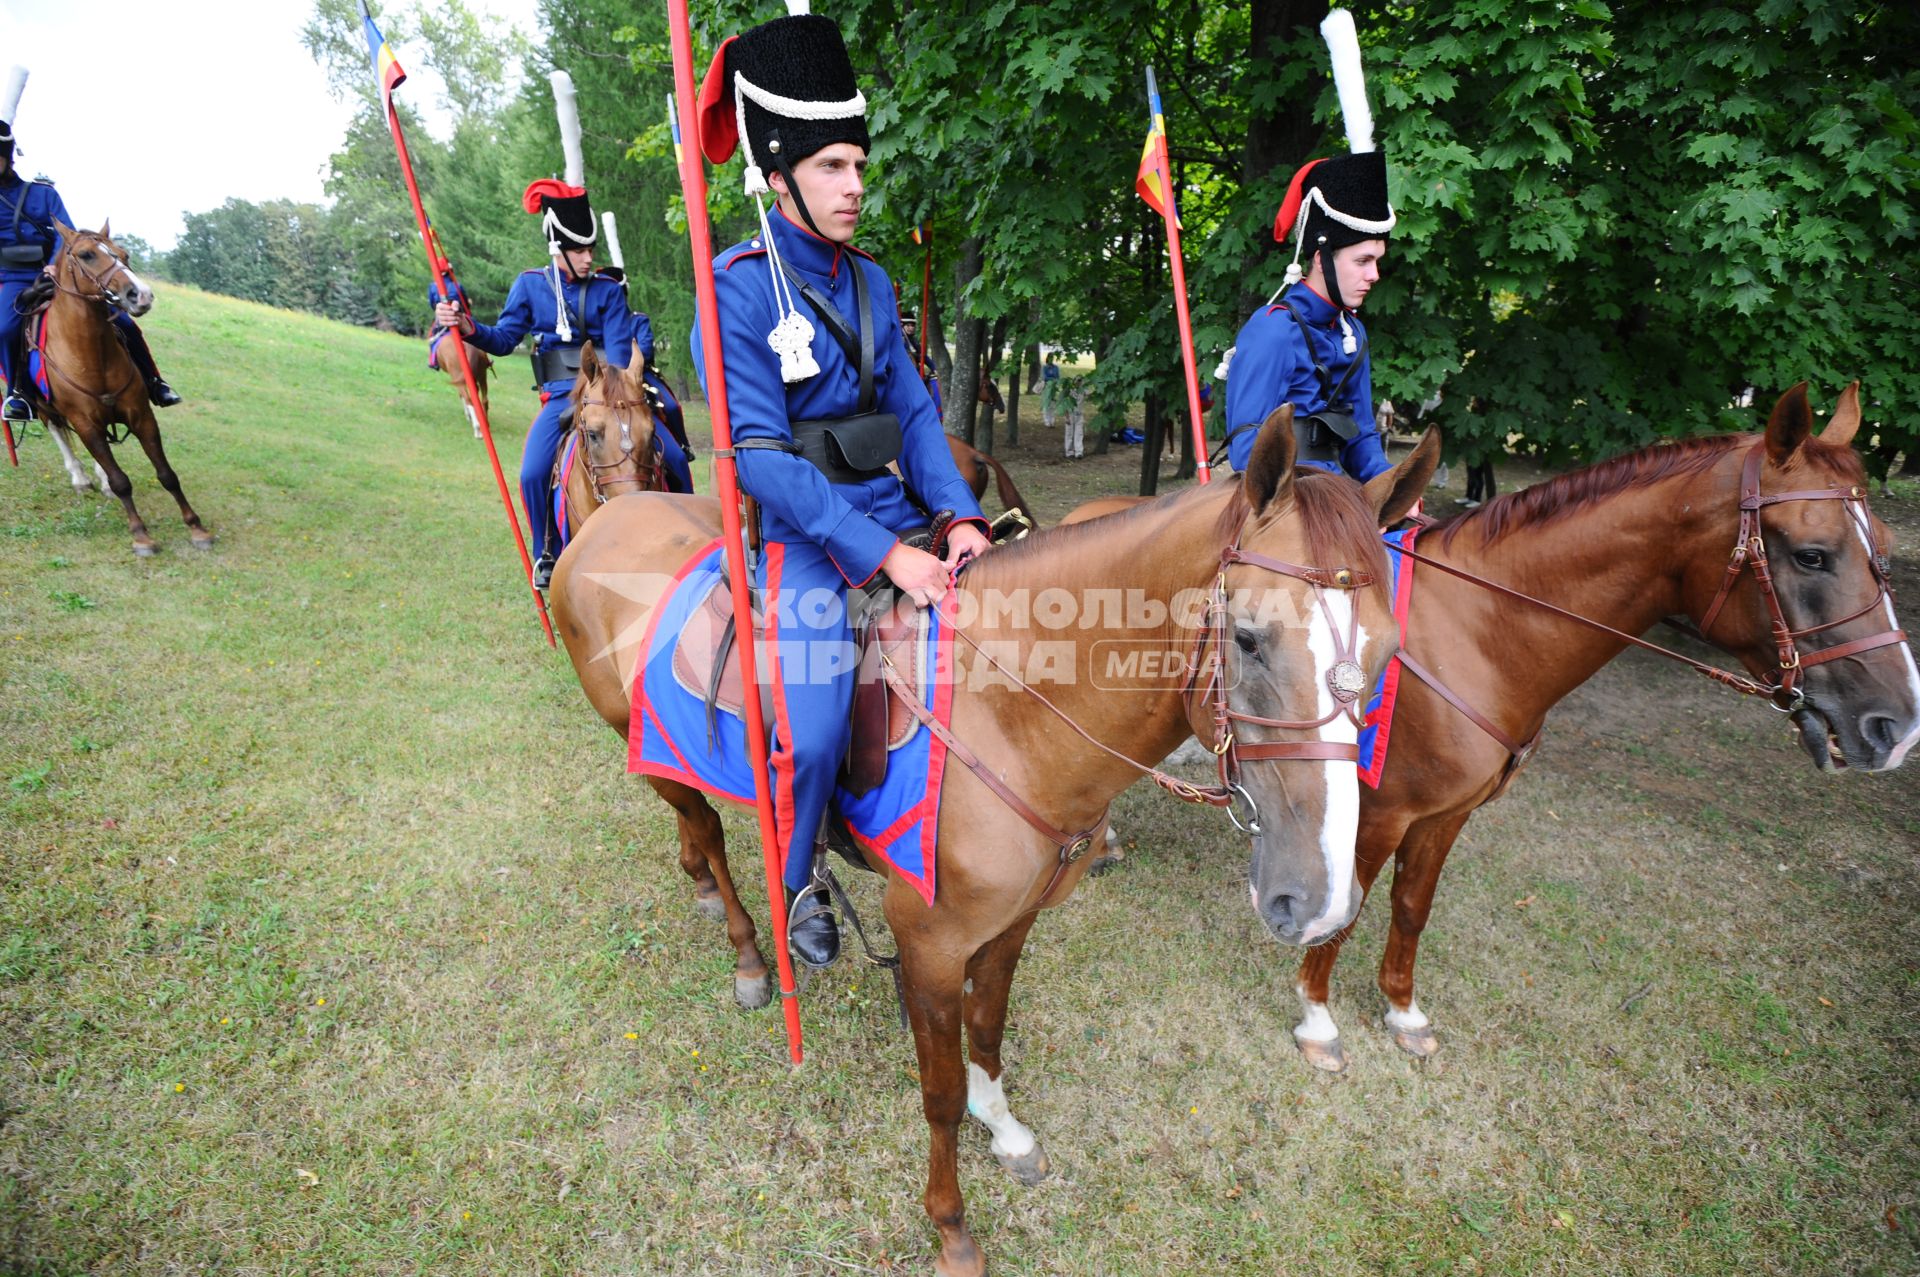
x=536, y=466
x=10, y=325
x=810, y=639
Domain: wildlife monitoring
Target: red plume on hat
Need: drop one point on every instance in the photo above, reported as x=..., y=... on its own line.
x=548, y=188
x=715, y=121
x=1290, y=207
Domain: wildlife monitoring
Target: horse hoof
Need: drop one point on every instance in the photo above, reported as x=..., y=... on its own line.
x=1328, y=1056
x=711, y=907
x=145, y=551
x=1420, y=1043
x=203, y=541
x=1029, y=1168
x=752, y=992
x=961, y=1259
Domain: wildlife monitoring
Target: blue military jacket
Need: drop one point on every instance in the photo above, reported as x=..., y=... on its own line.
x=598, y=311
x=38, y=204
x=796, y=499
x=1271, y=366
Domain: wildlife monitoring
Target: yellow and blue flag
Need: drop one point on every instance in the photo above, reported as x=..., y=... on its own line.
x=386, y=67
x=1147, y=181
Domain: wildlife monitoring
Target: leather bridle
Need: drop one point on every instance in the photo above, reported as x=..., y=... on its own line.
x=1750, y=549
x=1346, y=680
x=651, y=476
x=108, y=295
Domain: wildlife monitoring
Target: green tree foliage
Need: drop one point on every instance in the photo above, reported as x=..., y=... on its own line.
x=1616, y=216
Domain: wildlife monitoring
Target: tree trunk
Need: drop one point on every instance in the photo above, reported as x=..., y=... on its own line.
x=1013, y=397
x=1188, y=467
x=963, y=386
x=937, y=353
x=1282, y=134
x=1150, y=450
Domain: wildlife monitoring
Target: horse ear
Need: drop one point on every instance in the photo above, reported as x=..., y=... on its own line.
x=637, y=362
x=1393, y=494
x=65, y=231
x=1270, y=469
x=1846, y=418
x=106, y=231
x=591, y=368
x=1789, y=426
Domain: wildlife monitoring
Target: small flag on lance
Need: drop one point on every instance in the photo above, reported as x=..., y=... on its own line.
x=387, y=71
x=1155, y=185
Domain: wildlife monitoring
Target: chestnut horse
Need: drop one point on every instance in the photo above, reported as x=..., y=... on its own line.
x=1628, y=542
x=93, y=381
x=973, y=465
x=1211, y=565
x=482, y=364
x=613, y=424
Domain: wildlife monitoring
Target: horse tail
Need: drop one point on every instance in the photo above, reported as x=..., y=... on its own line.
x=1009, y=495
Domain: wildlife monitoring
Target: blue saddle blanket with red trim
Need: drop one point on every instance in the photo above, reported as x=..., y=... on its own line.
x=560, y=489
x=1379, y=723
x=37, y=356
x=668, y=733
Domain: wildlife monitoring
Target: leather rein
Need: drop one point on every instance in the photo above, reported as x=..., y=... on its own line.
x=1346, y=680
x=1782, y=691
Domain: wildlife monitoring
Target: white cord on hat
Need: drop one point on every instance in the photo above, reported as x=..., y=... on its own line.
x=790, y=108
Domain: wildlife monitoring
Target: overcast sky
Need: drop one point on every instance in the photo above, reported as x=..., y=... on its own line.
x=142, y=109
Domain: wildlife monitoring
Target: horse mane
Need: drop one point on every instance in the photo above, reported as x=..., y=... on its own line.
x=1565, y=495
x=1062, y=539
x=1342, y=531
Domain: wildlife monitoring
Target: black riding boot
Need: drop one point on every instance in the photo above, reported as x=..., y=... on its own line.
x=159, y=393
x=812, y=933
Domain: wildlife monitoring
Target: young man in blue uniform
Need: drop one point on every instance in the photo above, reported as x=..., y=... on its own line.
x=29, y=241
x=1309, y=349
x=801, y=311
x=567, y=303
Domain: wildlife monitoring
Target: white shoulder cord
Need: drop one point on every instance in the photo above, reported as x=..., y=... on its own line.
x=792, y=337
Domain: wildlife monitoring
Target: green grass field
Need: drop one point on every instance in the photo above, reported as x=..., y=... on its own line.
x=335, y=940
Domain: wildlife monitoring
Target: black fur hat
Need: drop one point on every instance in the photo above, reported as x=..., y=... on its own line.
x=786, y=89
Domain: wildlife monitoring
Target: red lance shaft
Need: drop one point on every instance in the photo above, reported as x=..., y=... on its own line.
x=693, y=187
x=1170, y=214
x=389, y=75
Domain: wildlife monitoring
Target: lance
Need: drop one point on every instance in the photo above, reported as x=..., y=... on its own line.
x=1170, y=214
x=387, y=72
x=693, y=189
x=10, y=90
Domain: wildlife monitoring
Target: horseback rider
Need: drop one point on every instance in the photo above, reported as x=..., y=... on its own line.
x=566, y=303
x=1308, y=347
x=823, y=395
x=30, y=240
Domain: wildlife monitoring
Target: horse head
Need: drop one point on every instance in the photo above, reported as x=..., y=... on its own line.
x=614, y=419
x=1817, y=616
x=1294, y=662
x=92, y=266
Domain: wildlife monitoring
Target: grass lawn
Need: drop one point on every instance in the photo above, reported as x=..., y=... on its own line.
x=334, y=939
